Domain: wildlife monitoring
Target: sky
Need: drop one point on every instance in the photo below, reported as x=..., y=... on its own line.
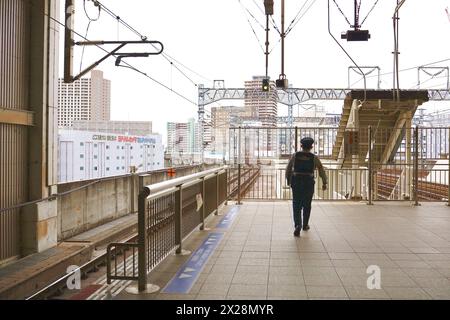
x=213, y=38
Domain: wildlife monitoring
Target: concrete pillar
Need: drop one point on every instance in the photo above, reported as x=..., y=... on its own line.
x=39, y=227
x=353, y=123
x=39, y=221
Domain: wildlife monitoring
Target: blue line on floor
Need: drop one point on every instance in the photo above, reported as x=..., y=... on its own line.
x=228, y=219
x=186, y=276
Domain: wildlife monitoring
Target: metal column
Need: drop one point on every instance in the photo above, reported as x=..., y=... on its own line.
x=416, y=166
x=448, y=176
x=142, y=240
x=370, y=167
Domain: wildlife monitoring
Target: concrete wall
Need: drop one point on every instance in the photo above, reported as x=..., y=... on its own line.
x=104, y=200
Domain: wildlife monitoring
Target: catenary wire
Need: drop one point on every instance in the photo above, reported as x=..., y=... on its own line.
x=126, y=63
x=403, y=70
x=88, y=26
x=143, y=37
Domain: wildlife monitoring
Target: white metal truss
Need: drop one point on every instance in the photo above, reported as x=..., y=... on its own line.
x=289, y=97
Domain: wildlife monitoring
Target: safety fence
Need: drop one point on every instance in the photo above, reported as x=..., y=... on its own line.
x=254, y=145
x=167, y=213
x=387, y=163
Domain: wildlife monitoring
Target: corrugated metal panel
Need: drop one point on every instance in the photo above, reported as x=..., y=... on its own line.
x=13, y=138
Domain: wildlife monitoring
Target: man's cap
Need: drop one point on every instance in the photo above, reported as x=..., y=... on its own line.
x=307, y=142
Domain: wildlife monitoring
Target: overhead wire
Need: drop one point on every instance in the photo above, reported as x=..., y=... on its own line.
x=290, y=27
x=342, y=13
x=298, y=20
x=432, y=77
x=87, y=28
x=274, y=24
x=143, y=37
x=251, y=26
x=403, y=70
x=126, y=63
x=370, y=11
x=298, y=13
x=120, y=20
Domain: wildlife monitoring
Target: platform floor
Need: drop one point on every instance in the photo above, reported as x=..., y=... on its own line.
x=259, y=258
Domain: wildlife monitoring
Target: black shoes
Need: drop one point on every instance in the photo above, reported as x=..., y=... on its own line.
x=297, y=230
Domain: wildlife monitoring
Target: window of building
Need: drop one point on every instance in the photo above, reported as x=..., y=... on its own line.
x=122, y=147
x=107, y=169
x=95, y=156
x=131, y=157
x=123, y=157
x=95, y=145
x=153, y=146
x=107, y=147
x=95, y=168
x=81, y=156
x=118, y=157
x=123, y=168
x=81, y=168
x=81, y=144
x=117, y=168
x=117, y=147
x=107, y=158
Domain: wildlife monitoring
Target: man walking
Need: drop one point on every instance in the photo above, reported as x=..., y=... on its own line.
x=300, y=176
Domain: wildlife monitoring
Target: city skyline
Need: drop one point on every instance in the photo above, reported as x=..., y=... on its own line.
x=232, y=52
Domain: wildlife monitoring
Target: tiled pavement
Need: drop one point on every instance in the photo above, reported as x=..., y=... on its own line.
x=259, y=258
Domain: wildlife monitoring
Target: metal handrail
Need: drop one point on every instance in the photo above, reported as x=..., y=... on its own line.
x=88, y=183
x=162, y=186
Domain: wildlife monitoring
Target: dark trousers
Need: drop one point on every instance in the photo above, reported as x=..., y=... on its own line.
x=302, y=194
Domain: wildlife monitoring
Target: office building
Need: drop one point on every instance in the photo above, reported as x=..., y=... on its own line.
x=183, y=137
x=87, y=99
x=87, y=155
x=261, y=105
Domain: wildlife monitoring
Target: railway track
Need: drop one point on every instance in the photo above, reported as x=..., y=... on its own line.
x=427, y=191
x=56, y=289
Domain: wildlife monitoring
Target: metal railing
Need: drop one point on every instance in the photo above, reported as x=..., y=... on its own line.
x=255, y=145
x=405, y=163
x=167, y=213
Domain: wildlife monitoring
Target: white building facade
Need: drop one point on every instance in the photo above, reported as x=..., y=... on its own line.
x=87, y=155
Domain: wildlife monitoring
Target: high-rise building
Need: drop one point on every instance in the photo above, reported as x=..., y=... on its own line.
x=261, y=105
x=137, y=128
x=183, y=137
x=222, y=118
x=84, y=99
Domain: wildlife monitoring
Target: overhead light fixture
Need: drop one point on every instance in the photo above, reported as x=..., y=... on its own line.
x=356, y=35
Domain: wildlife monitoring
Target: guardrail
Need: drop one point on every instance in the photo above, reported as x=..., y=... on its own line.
x=167, y=213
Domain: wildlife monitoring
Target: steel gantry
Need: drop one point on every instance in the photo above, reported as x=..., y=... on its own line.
x=288, y=97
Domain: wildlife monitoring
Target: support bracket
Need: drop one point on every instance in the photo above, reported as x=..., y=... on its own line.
x=115, y=52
